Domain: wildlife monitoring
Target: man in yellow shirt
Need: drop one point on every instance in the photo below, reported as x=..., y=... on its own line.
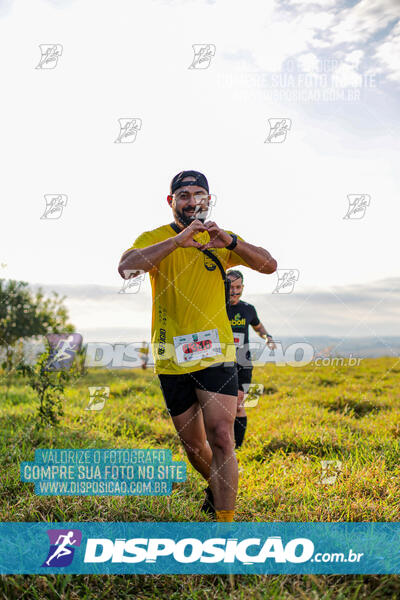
x=192, y=340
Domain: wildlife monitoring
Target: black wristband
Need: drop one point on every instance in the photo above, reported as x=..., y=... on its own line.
x=233, y=243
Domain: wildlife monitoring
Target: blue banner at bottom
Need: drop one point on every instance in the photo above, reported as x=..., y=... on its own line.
x=200, y=548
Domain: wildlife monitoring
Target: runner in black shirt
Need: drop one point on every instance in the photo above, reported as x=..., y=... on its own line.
x=241, y=315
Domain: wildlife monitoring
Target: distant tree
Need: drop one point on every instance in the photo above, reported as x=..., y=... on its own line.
x=24, y=314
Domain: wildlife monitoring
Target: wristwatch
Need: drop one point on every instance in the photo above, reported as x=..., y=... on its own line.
x=233, y=243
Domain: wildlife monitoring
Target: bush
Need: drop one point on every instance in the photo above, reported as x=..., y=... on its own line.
x=49, y=387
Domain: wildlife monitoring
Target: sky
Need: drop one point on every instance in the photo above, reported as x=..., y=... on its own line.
x=329, y=71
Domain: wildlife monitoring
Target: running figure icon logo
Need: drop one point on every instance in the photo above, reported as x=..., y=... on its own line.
x=278, y=130
x=286, y=280
x=128, y=129
x=63, y=347
x=330, y=471
x=60, y=553
x=98, y=397
x=252, y=393
x=50, y=53
x=203, y=53
x=357, y=205
x=132, y=282
x=55, y=203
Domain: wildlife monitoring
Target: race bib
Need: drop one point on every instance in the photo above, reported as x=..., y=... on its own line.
x=238, y=338
x=194, y=346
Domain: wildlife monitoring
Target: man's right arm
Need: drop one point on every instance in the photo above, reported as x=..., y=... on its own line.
x=144, y=259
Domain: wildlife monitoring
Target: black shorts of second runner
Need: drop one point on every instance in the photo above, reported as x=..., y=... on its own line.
x=244, y=376
x=179, y=390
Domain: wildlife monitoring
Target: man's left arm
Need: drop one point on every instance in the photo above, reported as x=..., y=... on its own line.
x=262, y=332
x=255, y=257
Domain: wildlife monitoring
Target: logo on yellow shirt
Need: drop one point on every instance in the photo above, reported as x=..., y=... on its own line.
x=209, y=264
x=162, y=340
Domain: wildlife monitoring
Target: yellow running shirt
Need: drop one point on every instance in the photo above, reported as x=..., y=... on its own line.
x=190, y=329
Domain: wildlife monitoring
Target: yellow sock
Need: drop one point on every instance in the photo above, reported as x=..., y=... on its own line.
x=225, y=516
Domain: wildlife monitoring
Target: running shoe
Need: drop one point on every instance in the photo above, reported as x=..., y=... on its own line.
x=208, y=504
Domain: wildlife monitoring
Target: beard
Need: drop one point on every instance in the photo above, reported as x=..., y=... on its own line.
x=185, y=219
x=234, y=298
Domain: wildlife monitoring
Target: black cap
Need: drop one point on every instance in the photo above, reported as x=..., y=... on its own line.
x=177, y=182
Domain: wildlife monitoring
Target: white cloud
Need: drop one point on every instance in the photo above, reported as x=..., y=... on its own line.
x=351, y=34
x=388, y=54
x=308, y=62
x=354, y=58
x=314, y=3
x=346, y=75
x=361, y=22
x=5, y=6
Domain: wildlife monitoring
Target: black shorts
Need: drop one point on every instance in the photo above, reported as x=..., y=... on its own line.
x=244, y=376
x=179, y=390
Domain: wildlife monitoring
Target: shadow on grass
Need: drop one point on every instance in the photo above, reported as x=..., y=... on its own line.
x=270, y=389
x=287, y=446
x=326, y=382
x=354, y=407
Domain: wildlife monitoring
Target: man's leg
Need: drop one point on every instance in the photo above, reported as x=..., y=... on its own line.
x=240, y=420
x=219, y=412
x=182, y=403
x=190, y=428
x=244, y=376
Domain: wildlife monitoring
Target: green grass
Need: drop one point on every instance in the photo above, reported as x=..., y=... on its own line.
x=308, y=414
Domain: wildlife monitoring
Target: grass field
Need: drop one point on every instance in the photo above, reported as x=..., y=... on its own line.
x=306, y=415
